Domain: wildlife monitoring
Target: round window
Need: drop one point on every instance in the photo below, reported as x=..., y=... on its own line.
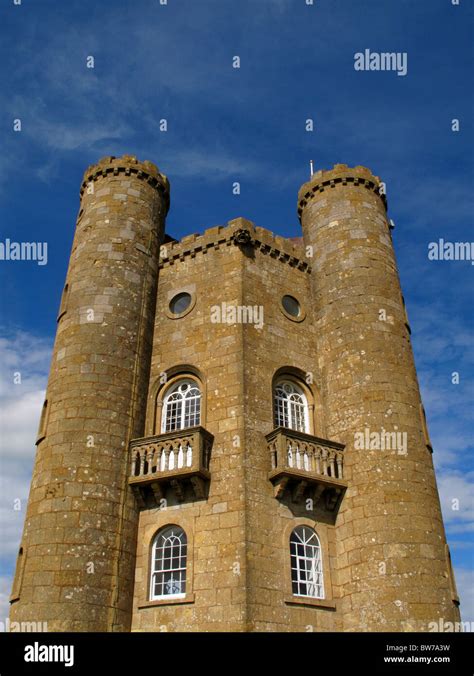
x=291, y=306
x=180, y=303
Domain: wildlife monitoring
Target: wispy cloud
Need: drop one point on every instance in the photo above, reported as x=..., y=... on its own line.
x=25, y=359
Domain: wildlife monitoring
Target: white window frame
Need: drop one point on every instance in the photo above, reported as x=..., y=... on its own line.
x=166, y=541
x=288, y=397
x=176, y=404
x=306, y=563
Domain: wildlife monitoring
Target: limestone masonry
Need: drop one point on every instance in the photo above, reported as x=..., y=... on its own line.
x=233, y=437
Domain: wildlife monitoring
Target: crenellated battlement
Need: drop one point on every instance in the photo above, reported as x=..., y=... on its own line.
x=340, y=175
x=280, y=248
x=128, y=165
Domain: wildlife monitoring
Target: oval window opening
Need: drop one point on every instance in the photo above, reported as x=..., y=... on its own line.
x=291, y=306
x=180, y=303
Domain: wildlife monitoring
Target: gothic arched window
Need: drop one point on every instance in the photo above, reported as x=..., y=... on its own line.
x=290, y=406
x=168, y=564
x=181, y=406
x=306, y=563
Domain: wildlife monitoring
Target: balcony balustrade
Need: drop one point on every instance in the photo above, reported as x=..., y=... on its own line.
x=178, y=459
x=306, y=466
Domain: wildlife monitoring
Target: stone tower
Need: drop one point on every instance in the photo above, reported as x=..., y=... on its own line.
x=394, y=567
x=77, y=557
x=241, y=446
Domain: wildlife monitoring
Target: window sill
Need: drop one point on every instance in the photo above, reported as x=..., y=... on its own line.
x=313, y=603
x=189, y=598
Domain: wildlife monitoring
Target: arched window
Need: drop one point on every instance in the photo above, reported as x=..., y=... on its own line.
x=17, y=581
x=290, y=406
x=168, y=564
x=181, y=406
x=306, y=563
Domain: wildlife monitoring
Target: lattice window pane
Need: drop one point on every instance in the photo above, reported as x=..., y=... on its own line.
x=290, y=407
x=281, y=409
x=306, y=563
x=182, y=407
x=169, y=563
x=192, y=411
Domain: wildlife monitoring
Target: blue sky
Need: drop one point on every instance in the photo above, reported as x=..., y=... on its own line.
x=174, y=61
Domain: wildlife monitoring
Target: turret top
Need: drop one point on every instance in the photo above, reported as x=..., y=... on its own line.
x=127, y=164
x=339, y=174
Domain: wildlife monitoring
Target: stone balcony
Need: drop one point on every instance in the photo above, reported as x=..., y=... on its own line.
x=175, y=460
x=305, y=467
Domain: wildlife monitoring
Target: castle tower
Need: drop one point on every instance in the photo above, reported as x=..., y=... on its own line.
x=76, y=562
x=242, y=446
x=392, y=561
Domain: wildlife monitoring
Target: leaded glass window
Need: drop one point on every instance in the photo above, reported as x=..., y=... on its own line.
x=306, y=563
x=169, y=554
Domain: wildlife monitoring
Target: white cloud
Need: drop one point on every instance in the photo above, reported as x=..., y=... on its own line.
x=457, y=498
x=20, y=406
x=18, y=424
x=465, y=586
x=5, y=588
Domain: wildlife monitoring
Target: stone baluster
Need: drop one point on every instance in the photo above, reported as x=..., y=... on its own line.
x=317, y=456
x=324, y=455
x=166, y=453
x=298, y=455
x=142, y=461
x=149, y=457
x=306, y=458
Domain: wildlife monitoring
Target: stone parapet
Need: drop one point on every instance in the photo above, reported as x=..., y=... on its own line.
x=127, y=165
x=283, y=249
x=340, y=175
